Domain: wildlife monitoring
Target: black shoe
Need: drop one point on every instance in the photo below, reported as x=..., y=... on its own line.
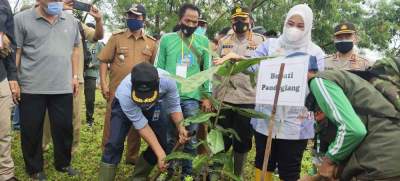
x=39, y=176
x=12, y=179
x=130, y=162
x=69, y=170
x=90, y=121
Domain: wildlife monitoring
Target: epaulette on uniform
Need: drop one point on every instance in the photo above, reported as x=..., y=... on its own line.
x=363, y=58
x=330, y=56
x=226, y=37
x=152, y=38
x=118, y=31
x=259, y=35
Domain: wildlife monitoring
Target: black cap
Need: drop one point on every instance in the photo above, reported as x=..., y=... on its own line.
x=145, y=83
x=240, y=11
x=345, y=28
x=137, y=9
x=203, y=20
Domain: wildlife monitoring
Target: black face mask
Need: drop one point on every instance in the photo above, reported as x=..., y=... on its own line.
x=187, y=30
x=344, y=46
x=240, y=27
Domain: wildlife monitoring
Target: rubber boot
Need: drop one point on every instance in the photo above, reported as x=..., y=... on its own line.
x=107, y=172
x=239, y=160
x=142, y=170
x=267, y=176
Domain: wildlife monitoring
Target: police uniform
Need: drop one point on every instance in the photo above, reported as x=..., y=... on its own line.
x=123, y=51
x=239, y=91
x=356, y=62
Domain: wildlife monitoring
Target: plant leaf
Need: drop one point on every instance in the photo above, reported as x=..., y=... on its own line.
x=195, y=81
x=250, y=113
x=231, y=175
x=215, y=141
x=198, y=118
x=240, y=65
x=221, y=158
x=179, y=155
x=228, y=131
x=199, y=162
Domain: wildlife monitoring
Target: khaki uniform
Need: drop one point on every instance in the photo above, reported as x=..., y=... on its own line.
x=6, y=104
x=356, y=62
x=77, y=105
x=123, y=51
x=240, y=90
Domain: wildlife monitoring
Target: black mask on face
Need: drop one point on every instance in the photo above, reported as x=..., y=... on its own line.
x=187, y=30
x=344, y=46
x=240, y=27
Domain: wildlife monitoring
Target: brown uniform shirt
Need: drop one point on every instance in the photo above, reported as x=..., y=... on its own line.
x=240, y=89
x=356, y=62
x=123, y=51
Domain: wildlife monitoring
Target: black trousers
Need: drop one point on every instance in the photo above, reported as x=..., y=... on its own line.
x=241, y=124
x=32, y=111
x=90, y=95
x=286, y=155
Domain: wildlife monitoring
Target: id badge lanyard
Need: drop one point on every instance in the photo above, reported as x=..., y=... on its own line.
x=185, y=61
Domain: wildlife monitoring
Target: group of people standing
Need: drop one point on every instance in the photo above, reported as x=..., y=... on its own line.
x=143, y=102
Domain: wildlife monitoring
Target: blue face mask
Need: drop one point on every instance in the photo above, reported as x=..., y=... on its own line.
x=54, y=8
x=134, y=24
x=200, y=31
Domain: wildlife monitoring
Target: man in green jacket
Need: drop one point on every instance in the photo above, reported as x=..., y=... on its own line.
x=184, y=54
x=364, y=147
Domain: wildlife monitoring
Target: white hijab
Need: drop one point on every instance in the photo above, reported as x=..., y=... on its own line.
x=306, y=13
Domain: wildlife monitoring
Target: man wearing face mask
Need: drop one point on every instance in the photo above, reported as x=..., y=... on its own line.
x=47, y=54
x=240, y=93
x=346, y=57
x=184, y=53
x=202, y=27
x=138, y=103
x=124, y=50
x=92, y=35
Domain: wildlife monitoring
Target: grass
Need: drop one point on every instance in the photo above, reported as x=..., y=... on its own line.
x=88, y=155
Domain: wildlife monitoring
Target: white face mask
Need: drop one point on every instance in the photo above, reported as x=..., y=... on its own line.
x=294, y=34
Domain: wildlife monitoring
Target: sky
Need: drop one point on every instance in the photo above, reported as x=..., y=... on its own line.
x=371, y=54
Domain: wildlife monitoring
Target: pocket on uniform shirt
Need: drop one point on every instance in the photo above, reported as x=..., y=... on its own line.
x=122, y=55
x=147, y=53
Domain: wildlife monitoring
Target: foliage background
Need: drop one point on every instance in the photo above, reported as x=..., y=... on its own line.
x=377, y=21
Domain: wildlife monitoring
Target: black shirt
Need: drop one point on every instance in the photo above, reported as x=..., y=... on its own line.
x=7, y=65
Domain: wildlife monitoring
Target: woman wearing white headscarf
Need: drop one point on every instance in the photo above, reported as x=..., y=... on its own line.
x=294, y=125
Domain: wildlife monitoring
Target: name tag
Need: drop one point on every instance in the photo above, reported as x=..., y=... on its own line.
x=183, y=65
x=181, y=70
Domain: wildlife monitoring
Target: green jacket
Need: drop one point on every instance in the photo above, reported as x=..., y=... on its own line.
x=94, y=49
x=169, y=57
x=367, y=125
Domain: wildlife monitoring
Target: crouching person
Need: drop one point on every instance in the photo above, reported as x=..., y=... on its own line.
x=139, y=99
x=366, y=144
